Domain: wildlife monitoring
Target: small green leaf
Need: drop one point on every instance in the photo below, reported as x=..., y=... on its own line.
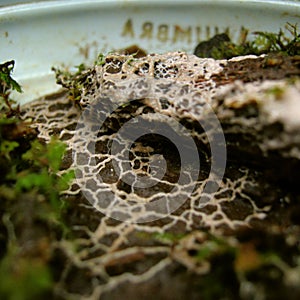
x=8, y=146
x=65, y=179
x=100, y=59
x=7, y=82
x=55, y=152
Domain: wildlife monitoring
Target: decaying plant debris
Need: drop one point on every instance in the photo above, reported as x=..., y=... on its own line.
x=239, y=246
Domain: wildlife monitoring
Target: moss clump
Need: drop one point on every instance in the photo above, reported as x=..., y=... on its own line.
x=30, y=202
x=74, y=81
x=221, y=47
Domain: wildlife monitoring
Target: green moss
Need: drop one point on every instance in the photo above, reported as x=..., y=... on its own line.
x=276, y=91
x=23, y=278
x=100, y=59
x=30, y=197
x=74, y=81
x=214, y=246
x=221, y=47
x=168, y=237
